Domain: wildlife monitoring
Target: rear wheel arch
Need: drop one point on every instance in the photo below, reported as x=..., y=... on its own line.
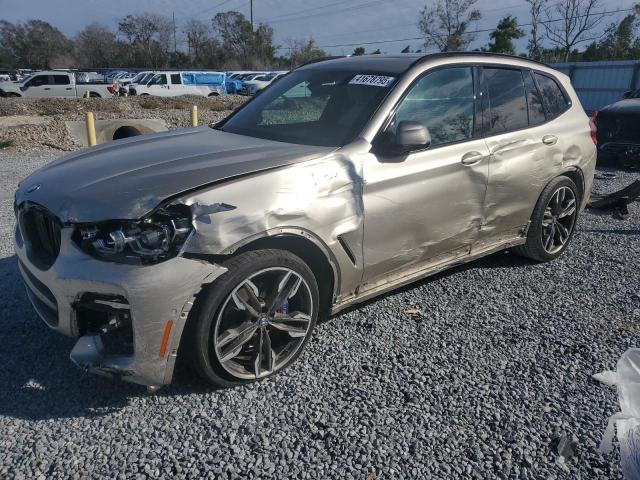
x=578, y=178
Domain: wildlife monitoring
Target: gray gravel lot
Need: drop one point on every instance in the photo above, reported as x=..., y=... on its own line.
x=479, y=387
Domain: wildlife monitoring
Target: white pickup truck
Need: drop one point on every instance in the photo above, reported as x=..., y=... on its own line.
x=174, y=84
x=52, y=84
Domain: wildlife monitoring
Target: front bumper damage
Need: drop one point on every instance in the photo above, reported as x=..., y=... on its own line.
x=128, y=318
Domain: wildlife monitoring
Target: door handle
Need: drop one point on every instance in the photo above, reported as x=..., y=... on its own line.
x=549, y=139
x=68, y=88
x=471, y=158
x=47, y=88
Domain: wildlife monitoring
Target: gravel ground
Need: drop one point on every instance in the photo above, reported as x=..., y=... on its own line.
x=481, y=386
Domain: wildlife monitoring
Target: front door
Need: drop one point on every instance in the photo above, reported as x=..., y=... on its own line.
x=425, y=207
x=38, y=86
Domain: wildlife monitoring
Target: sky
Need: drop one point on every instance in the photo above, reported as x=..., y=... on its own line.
x=337, y=26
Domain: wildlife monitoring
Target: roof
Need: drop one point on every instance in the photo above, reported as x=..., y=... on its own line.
x=399, y=63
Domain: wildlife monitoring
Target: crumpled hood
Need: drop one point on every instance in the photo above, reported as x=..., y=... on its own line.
x=126, y=179
x=630, y=105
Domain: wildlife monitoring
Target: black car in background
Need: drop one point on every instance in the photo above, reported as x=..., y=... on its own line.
x=619, y=131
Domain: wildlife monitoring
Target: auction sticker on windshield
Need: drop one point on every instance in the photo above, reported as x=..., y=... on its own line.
x=372, y=80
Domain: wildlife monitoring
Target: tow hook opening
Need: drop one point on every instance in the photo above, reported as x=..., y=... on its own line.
x=109, y=317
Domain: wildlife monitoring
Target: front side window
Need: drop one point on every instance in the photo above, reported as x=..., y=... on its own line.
x=61, y=80
x=159, y=80
x=553, y=99
x=313, y=107
x=507, y=101
x=175, y=79
x=38, y=81
x=442, y=101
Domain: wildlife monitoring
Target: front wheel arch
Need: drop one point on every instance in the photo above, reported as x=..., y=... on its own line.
x=313, y=252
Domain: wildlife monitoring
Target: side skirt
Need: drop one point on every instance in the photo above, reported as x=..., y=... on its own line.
x=423, y=271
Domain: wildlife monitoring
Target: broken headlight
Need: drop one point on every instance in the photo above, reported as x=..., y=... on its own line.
x=150, y=240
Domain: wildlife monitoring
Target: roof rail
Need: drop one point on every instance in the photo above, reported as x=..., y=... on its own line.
x=473, y=54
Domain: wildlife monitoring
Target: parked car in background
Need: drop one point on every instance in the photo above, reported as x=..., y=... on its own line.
x=619, y=131
x=53, y=84
x=251, y=87
x=176, y=83
x=346, y=179
x=140, y=78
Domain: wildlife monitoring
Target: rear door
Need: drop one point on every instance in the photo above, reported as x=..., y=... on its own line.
x=427, y=206
x=522, y=151
x=62, y=86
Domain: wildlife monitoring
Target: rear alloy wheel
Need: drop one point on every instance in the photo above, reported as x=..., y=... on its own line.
x=257, y=318
x=553, y=221
x=558, y=220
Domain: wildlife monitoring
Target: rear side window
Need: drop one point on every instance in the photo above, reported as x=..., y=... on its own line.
x=507, y=101
x=61, y=80
x=553, y=98
x=175, y=79
x=534, y=101
x=442, y=101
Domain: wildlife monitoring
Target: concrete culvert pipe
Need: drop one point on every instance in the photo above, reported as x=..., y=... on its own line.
x=125, y=132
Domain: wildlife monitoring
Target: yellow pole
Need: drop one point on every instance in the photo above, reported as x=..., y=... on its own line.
x=91, y=129
x=194, y=116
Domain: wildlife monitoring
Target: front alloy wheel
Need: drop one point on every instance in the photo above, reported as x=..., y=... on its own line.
x=255, y=319
x=263, y=323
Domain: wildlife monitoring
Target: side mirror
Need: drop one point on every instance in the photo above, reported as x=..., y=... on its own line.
x=412, y=135
x=627, y=94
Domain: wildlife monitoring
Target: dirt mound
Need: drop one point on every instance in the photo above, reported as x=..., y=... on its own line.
x=50, y=131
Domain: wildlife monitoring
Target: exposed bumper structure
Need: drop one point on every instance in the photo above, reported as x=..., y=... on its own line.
x=128, y=318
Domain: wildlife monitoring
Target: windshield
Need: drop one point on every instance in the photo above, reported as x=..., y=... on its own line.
x=313, y=107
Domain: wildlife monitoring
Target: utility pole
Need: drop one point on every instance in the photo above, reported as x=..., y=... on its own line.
x=251, y=15
x=175, y=42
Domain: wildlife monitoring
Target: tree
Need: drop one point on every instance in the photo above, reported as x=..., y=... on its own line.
x=301, y=51
x=504, y=34
x=358, y=51
x=620, y=43
x=534, y=45
x=577, y=20
x=445, y=24
x=203, y=50
x=246, y=47
x=34, y=44
x=97, y=47
x=149, y=37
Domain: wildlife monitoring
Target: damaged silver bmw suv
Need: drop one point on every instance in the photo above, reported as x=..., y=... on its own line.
x=345, y=179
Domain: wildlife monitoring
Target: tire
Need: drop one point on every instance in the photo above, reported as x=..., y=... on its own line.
x=214, y=94
x=218, y=324
x=94, y=95
x=547, y=220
